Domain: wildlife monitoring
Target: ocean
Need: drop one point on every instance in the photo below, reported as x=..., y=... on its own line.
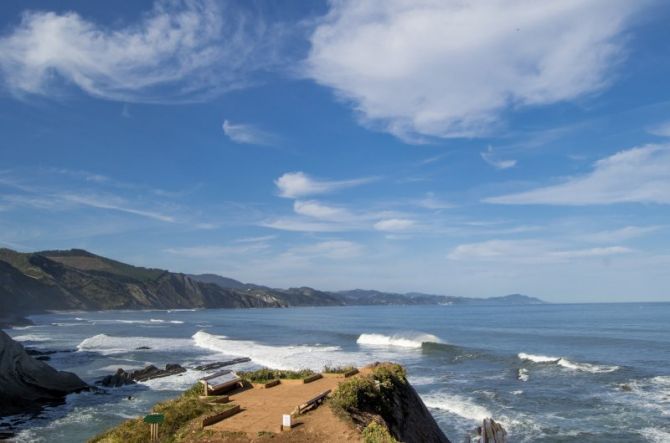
x=551, y=373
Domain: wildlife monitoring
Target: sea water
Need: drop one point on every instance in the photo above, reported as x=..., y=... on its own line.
x=555, y=373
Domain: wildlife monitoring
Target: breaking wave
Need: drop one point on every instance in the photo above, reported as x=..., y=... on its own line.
x=565, y=363
x=107, y=344
x=456, y=404
x=405, y=340
x=293, y=357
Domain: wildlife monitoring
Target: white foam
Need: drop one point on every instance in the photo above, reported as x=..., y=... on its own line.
x=568, y=364
x=656, y=435
x=422, y=380
x=279, y=357
x=538, y=358
x=32, y=337
x=456, y=404
x=652, y=393
x=176, y=382
x=522, y=374
x=157, y=320
x=107, y=344
x=404, y=340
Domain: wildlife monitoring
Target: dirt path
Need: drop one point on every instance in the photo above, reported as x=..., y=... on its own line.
x=262, y=411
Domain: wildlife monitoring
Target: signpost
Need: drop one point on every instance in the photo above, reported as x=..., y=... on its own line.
x=154, y=420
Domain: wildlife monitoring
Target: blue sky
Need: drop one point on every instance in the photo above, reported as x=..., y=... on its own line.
x=468, y=149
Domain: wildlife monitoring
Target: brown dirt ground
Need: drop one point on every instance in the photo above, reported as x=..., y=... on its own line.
x=262, y=411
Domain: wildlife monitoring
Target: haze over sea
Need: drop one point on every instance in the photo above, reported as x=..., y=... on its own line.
x=556, y=372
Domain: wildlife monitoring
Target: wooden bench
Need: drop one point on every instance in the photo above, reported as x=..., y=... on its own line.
x=211, y=419
x=220, y=382
x=313, y=402
x=312, y=378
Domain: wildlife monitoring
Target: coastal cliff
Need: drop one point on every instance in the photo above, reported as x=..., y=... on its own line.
x=375, y=405
x=27, y=383
x=79, y=280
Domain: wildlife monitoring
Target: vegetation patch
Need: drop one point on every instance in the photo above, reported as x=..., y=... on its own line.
x=368, y=399
x=265, y=375
x=178, y=415
x=338, y=369
x=377, y=433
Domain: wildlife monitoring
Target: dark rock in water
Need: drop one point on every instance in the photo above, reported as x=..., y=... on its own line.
x=626, y=388
x=26, y=383
x=33, y=351
x=43, y=358
x=121, y=377
x=141, y=348
x=220, y=364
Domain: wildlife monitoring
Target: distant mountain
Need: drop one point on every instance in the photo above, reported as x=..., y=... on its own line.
x=78, y=279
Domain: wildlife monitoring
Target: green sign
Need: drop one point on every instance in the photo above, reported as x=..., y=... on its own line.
x=154, y=418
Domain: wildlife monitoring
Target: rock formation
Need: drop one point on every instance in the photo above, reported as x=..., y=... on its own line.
x=27, y=383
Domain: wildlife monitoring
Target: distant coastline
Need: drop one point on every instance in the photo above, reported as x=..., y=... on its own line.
x=38, y=282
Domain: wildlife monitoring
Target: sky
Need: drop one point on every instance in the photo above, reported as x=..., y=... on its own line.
x=472, y=148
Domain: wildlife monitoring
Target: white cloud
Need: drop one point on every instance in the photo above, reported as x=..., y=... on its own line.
x=332, y=249
x=449, y=68
x=430, y=201
x=210, y=251
x=319, y=210
x=179, y=51
x=639, y=175
x=662, y=130
x=113, y=203
x=527, y=251
x=394, y=224
x=303, y=225
x=621, y=234
x=490, y=157
x=248, y=134
x=299, y=184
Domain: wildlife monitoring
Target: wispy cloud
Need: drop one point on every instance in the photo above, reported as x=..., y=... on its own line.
x=248, y=134
x=528, y=251
x=431, y=201
x=299, y=184
x=59, y=198
x=662, y=129
x=620, y=235
x=470, y=62
x=638, y=175
x=394, y=225
x=332, y=249
x=178, y=51
x=211, y=251
x=113, y=203
x=490, y=157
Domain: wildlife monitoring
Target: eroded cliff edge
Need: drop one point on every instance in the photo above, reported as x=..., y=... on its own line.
x=26, y=383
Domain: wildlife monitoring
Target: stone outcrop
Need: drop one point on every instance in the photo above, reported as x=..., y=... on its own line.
x=121, y=377
x=26, y=383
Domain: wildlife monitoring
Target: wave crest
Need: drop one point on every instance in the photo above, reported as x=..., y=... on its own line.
x=405, y=340
x=568, y=364
x=108, y=344
x=293, y=357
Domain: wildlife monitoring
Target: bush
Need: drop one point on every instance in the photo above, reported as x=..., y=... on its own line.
x=356, y=393
x=178, y=413
x=337, y=369
x=265, y=375
x=377, y=433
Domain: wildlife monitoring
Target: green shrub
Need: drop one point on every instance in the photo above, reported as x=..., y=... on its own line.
x=355, y=393
x=178, y=413
x=265, y=375
x=337, y=369
x=377, y=433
